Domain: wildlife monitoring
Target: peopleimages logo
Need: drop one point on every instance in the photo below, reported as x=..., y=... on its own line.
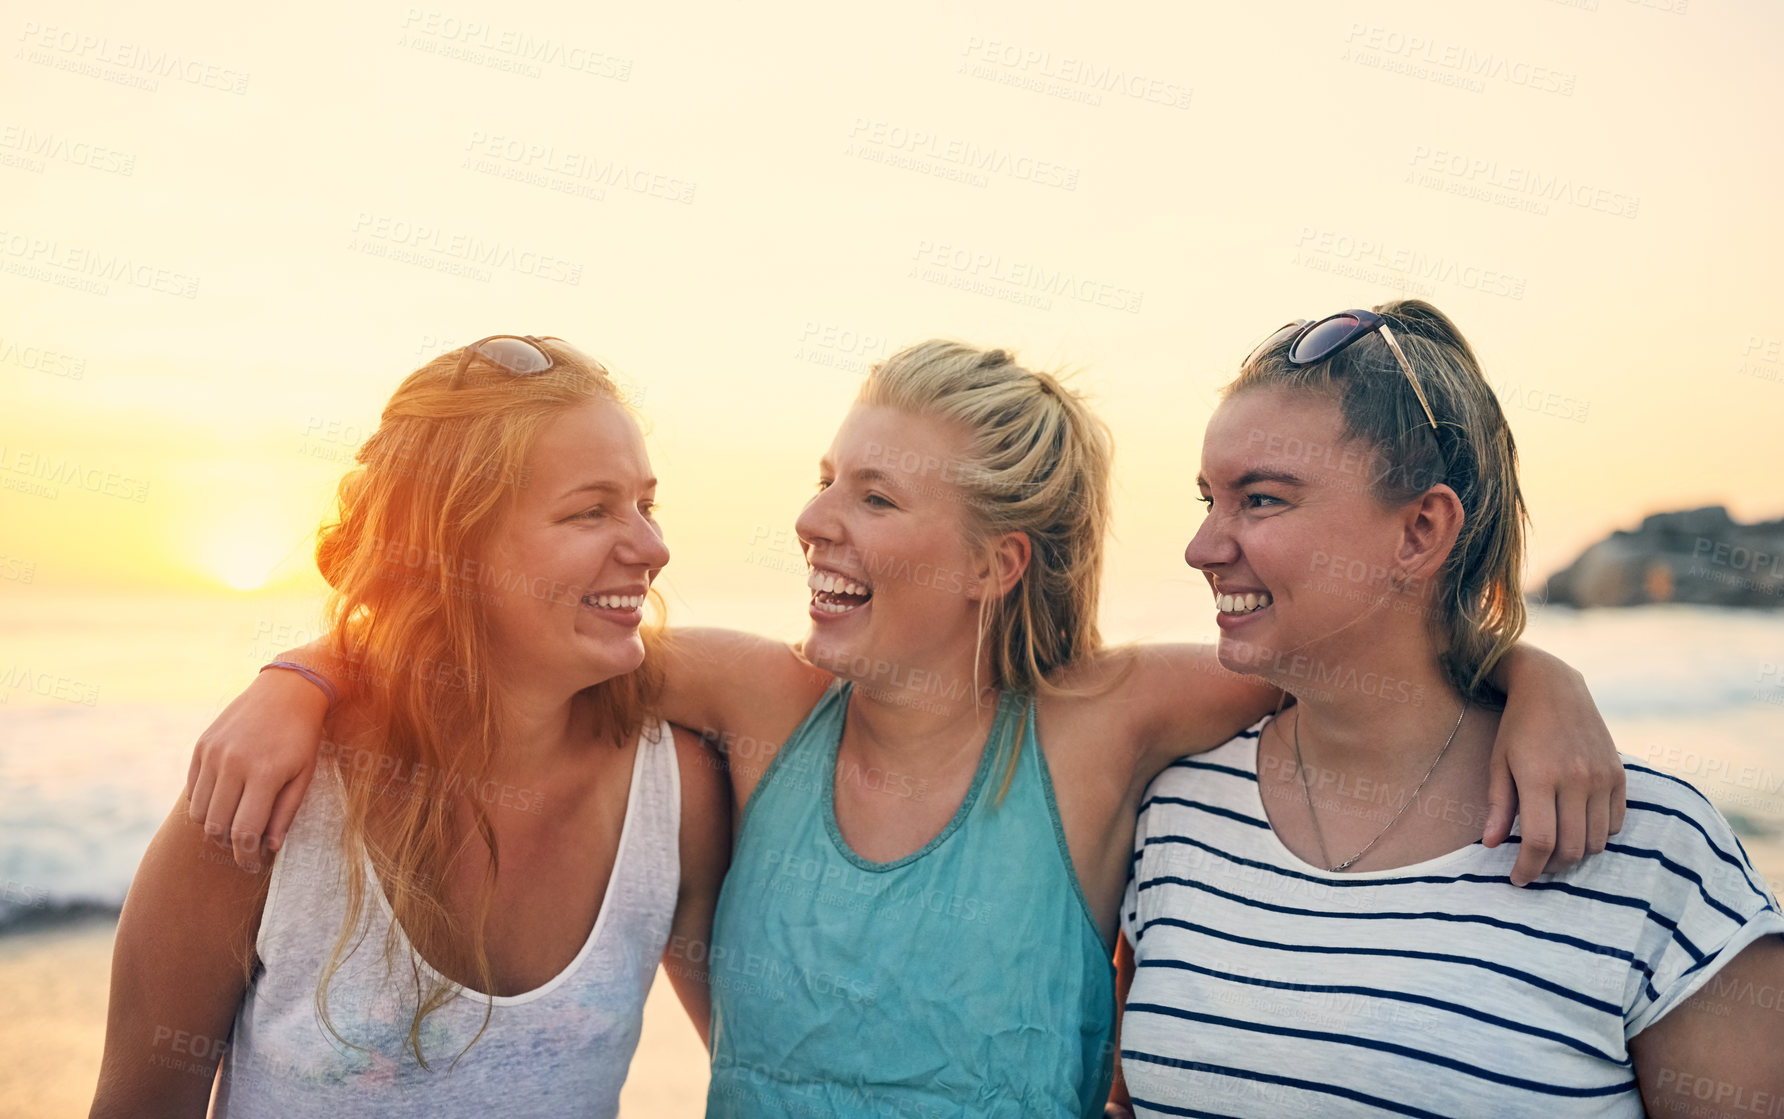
x=504, y=48
x=452, y=251
x=98, y=56
x=55, y=471
x=51, y=259
x=1514, y=186
x=42, y=146
x=1015, y=281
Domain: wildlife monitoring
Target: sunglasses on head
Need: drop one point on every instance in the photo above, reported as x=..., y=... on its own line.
x=1313, y=342
x=520, y=354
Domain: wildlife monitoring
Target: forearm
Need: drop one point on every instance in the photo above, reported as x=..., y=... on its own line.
x=321, y=656
x=1524, y=666
x=1124, y=979
x=691, y=982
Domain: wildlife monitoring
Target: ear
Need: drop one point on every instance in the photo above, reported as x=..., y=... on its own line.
x=1429, y=527
x=1005, y=561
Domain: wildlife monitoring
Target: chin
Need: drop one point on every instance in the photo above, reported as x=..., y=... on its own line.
x=1238, y=656
x=827, y=653
x=605, y=664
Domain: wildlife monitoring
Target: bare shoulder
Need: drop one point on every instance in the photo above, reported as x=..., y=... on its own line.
x=195, y=873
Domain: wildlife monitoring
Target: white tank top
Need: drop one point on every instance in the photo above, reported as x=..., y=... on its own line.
x=560, y=1049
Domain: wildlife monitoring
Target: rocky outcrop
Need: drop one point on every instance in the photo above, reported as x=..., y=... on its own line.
x=1699, y=556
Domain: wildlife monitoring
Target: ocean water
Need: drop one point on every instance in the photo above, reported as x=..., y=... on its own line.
x=102, y=699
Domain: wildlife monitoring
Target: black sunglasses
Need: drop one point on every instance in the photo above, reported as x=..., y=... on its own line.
x=520, y=354
x=1313, y=342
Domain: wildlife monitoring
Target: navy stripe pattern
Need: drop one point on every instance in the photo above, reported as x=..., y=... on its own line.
x=1265, y=987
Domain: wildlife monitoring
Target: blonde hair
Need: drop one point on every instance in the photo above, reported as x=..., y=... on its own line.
x=433, y=481
x=1039, y=463
x=1477, y=610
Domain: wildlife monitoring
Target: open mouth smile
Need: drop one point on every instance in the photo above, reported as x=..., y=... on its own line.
x=832, y=593
x=1238, y=605
x=627, y=608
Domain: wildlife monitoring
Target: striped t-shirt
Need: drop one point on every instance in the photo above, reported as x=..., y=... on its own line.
x=1270, y=987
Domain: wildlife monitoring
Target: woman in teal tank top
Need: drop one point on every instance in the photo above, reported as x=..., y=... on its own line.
x=994, y=888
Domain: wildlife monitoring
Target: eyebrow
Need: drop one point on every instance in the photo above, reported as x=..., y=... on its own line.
x=1281, y=477
x=603, y=487
x=1253, y=477
x=862, y=474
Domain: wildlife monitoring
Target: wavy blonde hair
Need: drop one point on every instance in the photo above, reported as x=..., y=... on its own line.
x=1477, y=609
x=1039, y=462
x=428, y=495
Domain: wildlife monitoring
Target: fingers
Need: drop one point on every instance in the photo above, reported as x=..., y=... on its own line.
x=198, y=792
x=285, y=809
x=194, y=769
x=1570, y=831
x=1598, y=823
x=1502, y=803
x=220, y=813
x=250, y=819
x=1537, y=841
x=1618, y=800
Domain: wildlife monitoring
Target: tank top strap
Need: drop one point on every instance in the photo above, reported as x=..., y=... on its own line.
x=1034, y=760
x=800, y=759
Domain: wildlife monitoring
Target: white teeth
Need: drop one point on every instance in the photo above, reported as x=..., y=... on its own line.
x=832, y=608
x=1241, y=603
x=614, y=601
x=825, y=582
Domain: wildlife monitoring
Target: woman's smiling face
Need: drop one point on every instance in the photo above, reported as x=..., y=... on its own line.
x=1295, y=546
x=895, y=585
x=577, y=549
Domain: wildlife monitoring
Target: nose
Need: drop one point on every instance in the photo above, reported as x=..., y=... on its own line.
x=644, y=545
x=817, y=525
x=1212, y=546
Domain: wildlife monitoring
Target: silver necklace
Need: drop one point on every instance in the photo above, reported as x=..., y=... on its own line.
x=1301, y=768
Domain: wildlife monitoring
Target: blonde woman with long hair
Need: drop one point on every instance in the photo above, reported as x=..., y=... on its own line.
x=935, y=792
x=470, y=907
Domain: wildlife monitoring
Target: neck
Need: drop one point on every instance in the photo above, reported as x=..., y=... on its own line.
x=537, y=727
x=920, y=719
x=1367, y=714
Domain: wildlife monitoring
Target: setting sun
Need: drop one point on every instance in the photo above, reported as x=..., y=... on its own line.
x=246, y=556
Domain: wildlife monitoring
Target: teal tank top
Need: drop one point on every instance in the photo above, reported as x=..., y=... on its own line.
x=965, y=979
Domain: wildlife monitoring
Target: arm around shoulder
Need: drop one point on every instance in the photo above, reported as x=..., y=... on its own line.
x=1174, y=700
x=716, y=679
x=180, y=967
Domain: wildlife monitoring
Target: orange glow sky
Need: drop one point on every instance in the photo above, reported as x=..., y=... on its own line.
x=739, y=210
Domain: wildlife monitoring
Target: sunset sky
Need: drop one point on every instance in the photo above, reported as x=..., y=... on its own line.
x=226, y=233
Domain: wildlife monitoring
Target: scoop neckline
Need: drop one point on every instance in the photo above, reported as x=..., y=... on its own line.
x=966, y=802
x=570, y=969
x=1302, y=866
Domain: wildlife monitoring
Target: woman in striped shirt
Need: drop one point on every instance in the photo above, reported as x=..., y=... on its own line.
x=1314, y=927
